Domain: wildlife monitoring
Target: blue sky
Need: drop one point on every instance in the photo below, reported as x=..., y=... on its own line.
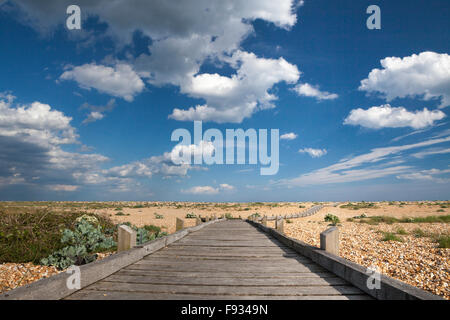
x=88, y=114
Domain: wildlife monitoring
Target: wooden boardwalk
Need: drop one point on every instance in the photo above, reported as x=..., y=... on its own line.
x=226, y=260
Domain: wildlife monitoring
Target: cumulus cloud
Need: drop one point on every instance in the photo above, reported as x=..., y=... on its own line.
x=315, y=153
x=232, y=99
x=31, y=140
x=426, y=74
x=208, y=190
x=288, y=136
x=119, y=81
x=182, y=37
x=227, y=187
x=307, y=90
x=385, y=116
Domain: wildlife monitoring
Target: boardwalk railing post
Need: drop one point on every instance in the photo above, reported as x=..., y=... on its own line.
x=329, y=240
x=264, y=221
x=279, y=225
x=198, y=221
x=126, y=238
x=179, y=224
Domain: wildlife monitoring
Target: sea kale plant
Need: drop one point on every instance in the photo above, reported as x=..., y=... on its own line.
x=81, y=245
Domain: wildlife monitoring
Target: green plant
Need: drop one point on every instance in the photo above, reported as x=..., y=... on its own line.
x=401, y=231
x=120, y=213
x=419, y=233
x=443, y=241
x=388, y=236
x=440, y=210
x=81, y=245
x=191, y=216
x=158, y=216
x=30, y=234
x=288, y=221
x=228, y=215
x=332, y=218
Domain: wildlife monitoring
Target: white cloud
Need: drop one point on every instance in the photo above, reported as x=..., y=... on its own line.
x=426, y=175
x=426, y=74
x=36, y=123
x=225, y=186
x=63, y=187
x=315, y=153
x=288, y=136
x=307, y=90
x=385, y=116
x=181, y=154
x=349, y=170
x=119, y=81
x=201, y=190
x=429, y=152
x=93, y=116
x=97, y=112
x=232, y=99
x=183, y=37
x=31, y=140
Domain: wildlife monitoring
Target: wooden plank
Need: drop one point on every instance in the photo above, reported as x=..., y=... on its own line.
x=222, y=265
x=201, y=259
x=117, y=295
x=229, y=249
x=221, y=274
x=230, y=290
x=125, y=277
x=144, y=265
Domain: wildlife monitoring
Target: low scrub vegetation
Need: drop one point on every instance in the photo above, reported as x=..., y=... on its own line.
x=359, y=205
x=443, y=241
x=391, y=220
x=389, y=236
x=334, y=220
x=80, y=245
x=31, y=235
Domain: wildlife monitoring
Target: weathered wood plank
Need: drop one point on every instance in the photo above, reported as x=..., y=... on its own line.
x=231, y=290
x=221, y=274
x=230, y=281
x=231, y=260
x=117, y=295
x=144, y=265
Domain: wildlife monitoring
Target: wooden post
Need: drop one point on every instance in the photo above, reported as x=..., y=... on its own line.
x=264, y=221
x=329, y=240
x=279, y=225
x=179, y=224
x=126, y=238
x=198, y=221
x=206, y=219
